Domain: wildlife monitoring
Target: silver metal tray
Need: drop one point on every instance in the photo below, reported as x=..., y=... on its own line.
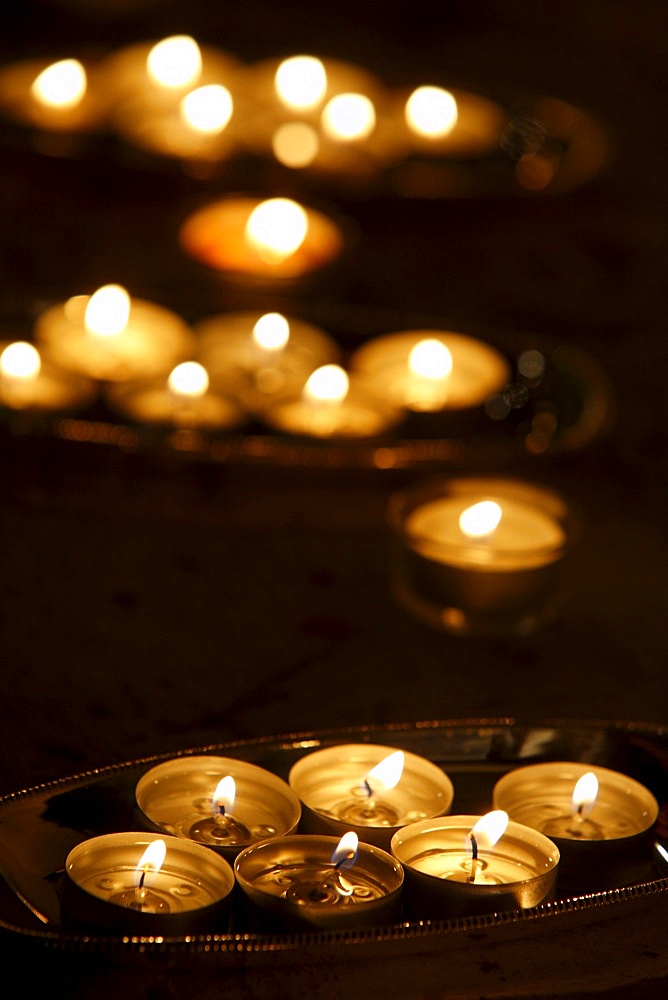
x=619, y=932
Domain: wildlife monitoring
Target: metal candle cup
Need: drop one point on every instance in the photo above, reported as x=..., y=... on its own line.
x=501, y=582
x=153, y=402
x=293, y=884
x=20, y=102
x=177, y=796
x=518, y=872
x=471, y=127
x=104, y=889
x=40, y=386
x=338, y=794
x=610, y=846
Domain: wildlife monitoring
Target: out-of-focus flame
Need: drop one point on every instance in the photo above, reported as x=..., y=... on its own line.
x=585, y=794
x=480, y=519
x=301, y=82
x=345, y=852
x=207, y=109
x=150, y=861
x=60, y=85
x=431, y=112
x=430, y=359
x=388, y=772
x=349, y=116
x=175, y=62
x=108, y=311
x=20, y=360
x=271, y=332
x=327, y=384
x=224, y=795
x=276, y=228
x=490, y=828
x=295, y=144
x=188, y=379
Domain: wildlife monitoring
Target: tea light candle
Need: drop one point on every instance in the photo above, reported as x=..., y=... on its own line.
x=145, y=884
x=331, y=406
x=460, y=865
x=183, y=797
x=601, y=819
x=435, y=122
x=367, y=788
x=27, y=383
x=267, y=240
x=309, y=881
x=431, y=370
x=61, y=96
x=478, y=555
x=113, y=337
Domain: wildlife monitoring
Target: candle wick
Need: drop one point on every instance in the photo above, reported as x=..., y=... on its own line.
x=346, y=857
x=474, y=857
x=368, y=788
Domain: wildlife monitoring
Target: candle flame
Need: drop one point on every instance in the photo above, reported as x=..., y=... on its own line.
x=327, y=384
x=349, y=116
x=430, y=359
x=585, y=794
x=388, y=772
x=295, y=144
x=431, y=112
x=490, y=828
x=224, y=795
x=175, y=62
x=271, y=332
x=480, y=519
x=188, y=379
x=60, y=85
x=276, y=228
x=150, y=861
x=20, y=360
x=301, y=82
x=207, y=109
x=345, y=852
x=108, y=311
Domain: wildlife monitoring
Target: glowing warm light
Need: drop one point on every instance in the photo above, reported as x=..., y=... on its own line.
x=276, y=229
x=20, y=361
x=295, y=144
x=662, y=851
x=431, y=112
x=188, y=379
x=490, y=828
x=388, y=772
x=108, y=311
x=430, y=359
x=345, y=852
x=224, y=795
x=271, y=332
x=327, y=384
x=349, y=116
x=301, y=82
x=61, y=85
x=481, y=519
x=584, y=794
x=207, y=109
x=150, y=861
x=175, y=62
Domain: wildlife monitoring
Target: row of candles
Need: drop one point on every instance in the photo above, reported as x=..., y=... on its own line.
x=376, y=843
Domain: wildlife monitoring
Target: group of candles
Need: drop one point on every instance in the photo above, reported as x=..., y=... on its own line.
x=359, y=835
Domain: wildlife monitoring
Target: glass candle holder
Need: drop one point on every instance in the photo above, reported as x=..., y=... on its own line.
x=112, y=886
x=339, y=791
x=179, y=797
x=476, y=556
x=605, y=840
x=294, y=884
x=518, y=872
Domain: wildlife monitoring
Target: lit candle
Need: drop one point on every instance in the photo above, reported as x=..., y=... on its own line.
x=267, y=240
x=146, y=884
x=478, y=555
x=431, y=370
x=110, y=336
x=309, y=881
x=459, y=865
x=370, y=789
x=222, y=803
x=331, y=406
x=61, y=96
x=434, y=121
x=27, y=383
